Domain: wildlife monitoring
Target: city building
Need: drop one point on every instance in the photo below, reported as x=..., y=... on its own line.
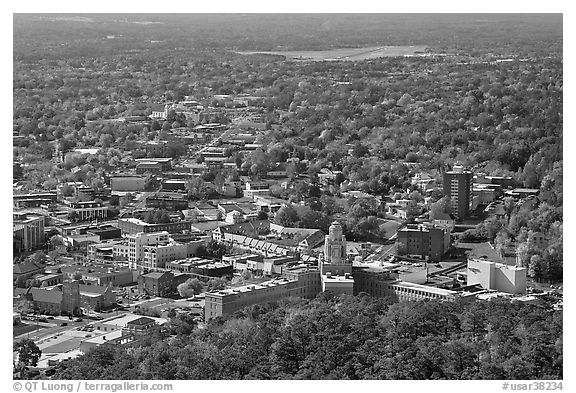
x=229, y=300
x=160, y=283
x=164, y=164
x=56, y=300
x=26, y=270
x=458, y=186
x=496, y=276
x=96, y=297
x=201, y=267
x=89, y=210
x=168, y=200
x=34, y=199
x=156, y=149
x=152, y=167
x=134, y=225
x=256, y=188
x=157, y=255
x=96, y=276
x=127, y=183
x=335, y=268
x=140, y=326
x=383, y=281
x=28, y=232
x=429, y=242
x=137, y=242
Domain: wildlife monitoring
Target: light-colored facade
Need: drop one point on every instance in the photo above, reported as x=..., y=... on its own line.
x=90, y=210
x=156, y=256
x=229, y=300
x=28, y=232
x=496, y=276
x=335, y=268
x=138, y=241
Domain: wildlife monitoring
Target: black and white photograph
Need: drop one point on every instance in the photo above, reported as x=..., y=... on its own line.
x=286, y=196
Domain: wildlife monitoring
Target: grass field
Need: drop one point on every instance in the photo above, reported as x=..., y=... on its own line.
x=347, y=54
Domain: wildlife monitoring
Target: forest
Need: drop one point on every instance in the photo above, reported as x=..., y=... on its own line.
x=343, y=338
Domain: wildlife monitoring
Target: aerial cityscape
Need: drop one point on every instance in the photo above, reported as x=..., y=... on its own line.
x=288, y=196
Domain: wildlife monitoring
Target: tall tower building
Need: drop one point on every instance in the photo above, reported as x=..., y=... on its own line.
x=335, y=269
x=458, y=186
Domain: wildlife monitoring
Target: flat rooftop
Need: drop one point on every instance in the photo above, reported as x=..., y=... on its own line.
x=426, y=288
x=251, y=287
x=338, y=279
x=122, y=320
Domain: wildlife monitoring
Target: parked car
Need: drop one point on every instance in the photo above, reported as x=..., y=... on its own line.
x=64, y=324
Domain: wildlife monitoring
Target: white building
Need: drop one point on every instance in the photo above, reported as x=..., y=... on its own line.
x=335, y=269
x=138, y=241
x=157, y=255
x=496, y=276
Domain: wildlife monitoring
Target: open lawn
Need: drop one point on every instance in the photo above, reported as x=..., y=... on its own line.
x=347, y=54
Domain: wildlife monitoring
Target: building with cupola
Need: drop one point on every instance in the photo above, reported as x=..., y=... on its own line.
x=335, y=268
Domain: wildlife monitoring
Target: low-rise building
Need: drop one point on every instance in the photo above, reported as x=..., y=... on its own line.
x=140, y=326
x=89, y=210
x=201, y=267
x=59, y=299
x=96, y=297
x=160, y=283
x=26, y=270
x=134, y=225
x=127, y=183
x=168, y=200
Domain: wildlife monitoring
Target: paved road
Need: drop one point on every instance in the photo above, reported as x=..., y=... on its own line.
x=382, y=252
x=41, y=334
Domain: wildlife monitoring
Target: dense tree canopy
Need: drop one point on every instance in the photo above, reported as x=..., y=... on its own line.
x=346, y=338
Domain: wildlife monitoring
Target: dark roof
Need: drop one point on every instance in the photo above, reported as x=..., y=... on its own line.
x=142, y=321
x=155, y=275
x=47, y=295
x=26, y=267
x=93, y=289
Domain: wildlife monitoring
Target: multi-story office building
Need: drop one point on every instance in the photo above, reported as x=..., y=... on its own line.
x=28, y=231
x=157, y=255
x=429, y=242
x=138, y=241
x=458, y=186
